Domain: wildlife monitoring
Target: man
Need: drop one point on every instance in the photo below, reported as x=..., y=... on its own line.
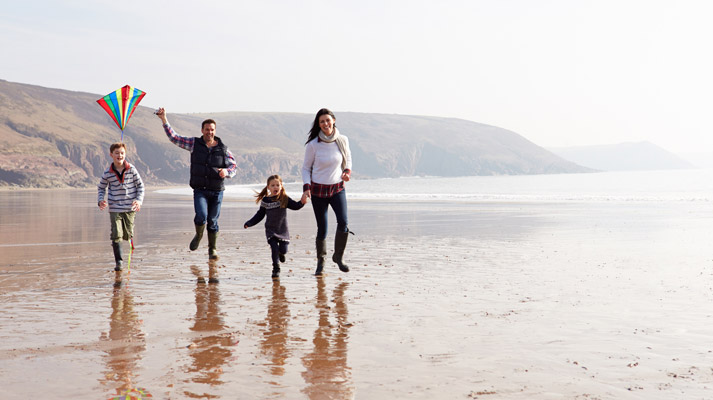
x=211, y=163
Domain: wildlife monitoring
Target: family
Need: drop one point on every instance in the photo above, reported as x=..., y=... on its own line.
x=327, y=165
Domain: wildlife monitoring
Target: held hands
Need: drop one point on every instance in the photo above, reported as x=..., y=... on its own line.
x=346, y=175
x=306, y=195
x=102, y=205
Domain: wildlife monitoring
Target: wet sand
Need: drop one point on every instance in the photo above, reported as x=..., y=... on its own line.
x=541, y=300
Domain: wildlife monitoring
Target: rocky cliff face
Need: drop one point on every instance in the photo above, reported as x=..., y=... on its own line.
x=59, y=138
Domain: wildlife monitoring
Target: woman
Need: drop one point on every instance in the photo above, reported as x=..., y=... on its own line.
x=327, y=165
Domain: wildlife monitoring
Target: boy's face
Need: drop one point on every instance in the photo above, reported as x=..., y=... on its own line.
x=118, y=155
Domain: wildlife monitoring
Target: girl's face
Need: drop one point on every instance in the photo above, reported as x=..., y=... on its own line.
x=274, y=187
x=326, y=124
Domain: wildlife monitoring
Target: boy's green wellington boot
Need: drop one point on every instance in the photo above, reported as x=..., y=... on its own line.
x=212, y=249
x=340, y=243
x=321, y=255
x=116, y=246
x=197, y=238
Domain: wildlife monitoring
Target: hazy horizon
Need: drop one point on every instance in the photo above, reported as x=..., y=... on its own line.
x=558, y=73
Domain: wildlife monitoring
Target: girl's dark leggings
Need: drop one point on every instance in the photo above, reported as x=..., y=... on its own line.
x=278, y=247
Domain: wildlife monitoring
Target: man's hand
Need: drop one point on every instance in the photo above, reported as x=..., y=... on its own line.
x=161, y=113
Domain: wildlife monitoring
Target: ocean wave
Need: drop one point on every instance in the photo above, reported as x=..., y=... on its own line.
x=248, y=193
x=650, y=186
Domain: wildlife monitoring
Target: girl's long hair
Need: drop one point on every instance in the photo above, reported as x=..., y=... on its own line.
x=314, y=132
x=281, y=196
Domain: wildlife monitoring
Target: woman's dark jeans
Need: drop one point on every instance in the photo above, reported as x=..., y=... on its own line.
x=339, y=205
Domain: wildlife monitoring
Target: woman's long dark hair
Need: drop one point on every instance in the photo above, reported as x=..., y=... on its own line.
x=314, y=132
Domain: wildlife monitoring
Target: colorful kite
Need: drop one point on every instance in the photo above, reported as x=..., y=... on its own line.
x=120, y=105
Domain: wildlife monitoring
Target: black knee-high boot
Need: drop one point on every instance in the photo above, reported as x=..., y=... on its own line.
x=116, y=246
x=340, y=243
x=321, y=255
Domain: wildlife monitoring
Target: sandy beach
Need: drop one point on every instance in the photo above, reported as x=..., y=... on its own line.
x=466, y=300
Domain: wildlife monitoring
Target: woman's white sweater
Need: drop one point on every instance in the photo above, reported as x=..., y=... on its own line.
x=323, y=162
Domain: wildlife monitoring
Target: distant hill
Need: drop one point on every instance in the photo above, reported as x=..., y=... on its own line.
x=60, y=138
x=701, y=159
x=623, y=157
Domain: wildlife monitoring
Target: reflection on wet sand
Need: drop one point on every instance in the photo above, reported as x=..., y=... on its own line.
x=127, y=340
x=327, y=374
x=211, y=352
x=274, y=342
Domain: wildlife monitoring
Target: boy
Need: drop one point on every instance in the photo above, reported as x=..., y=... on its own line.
x=126, y=193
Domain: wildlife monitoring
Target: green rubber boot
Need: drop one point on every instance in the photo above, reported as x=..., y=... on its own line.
x=197, y=238
x=212, y=249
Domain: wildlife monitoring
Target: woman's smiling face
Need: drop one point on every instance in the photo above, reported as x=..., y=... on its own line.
x=326, y=124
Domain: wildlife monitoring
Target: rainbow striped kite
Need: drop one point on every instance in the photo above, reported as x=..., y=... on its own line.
x=121, y=105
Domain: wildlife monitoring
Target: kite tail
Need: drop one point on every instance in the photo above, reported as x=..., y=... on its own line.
x=130, y=253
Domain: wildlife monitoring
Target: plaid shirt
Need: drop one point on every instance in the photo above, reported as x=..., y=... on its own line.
x=187, y=144
x=326, y=191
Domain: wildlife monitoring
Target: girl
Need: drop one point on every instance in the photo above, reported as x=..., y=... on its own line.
x=275, y=207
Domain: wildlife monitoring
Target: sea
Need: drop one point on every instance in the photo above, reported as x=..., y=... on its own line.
x=693, y=185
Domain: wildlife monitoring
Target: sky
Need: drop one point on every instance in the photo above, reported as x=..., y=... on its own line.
x=558, y=72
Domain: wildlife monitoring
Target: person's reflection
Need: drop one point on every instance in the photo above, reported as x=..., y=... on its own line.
x=274, y=342
x=326, y=371
x=210, y=350
x=126, y=340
